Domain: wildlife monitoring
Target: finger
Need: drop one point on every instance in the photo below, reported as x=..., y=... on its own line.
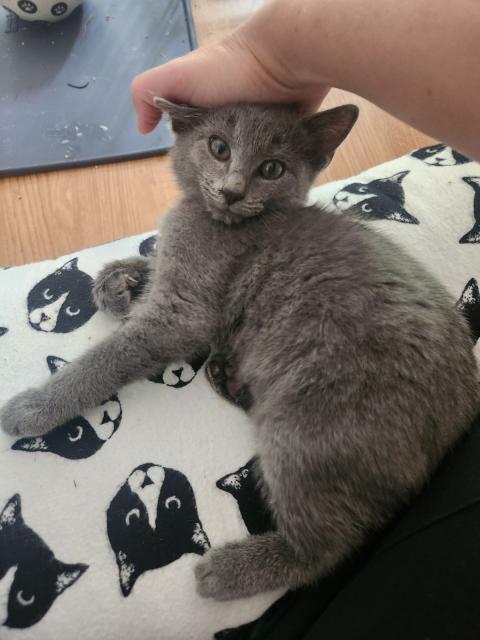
x=170, y=81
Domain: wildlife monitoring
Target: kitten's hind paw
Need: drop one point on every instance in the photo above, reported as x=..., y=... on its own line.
x=259, y=563
x=24, y=415
x=223, y=573
x=119, y=283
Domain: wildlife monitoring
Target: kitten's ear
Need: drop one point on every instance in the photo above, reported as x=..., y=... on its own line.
x=128, y=573
x=182, y=116
x=67, y=575
x=12, y=512
x=327, y=130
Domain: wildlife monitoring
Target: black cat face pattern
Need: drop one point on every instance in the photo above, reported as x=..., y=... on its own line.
x=31, y=577
x=27, y=6
x=80, y=437
x=242, y=485
x=381, y=199
x=153, y=521
x=179, y=374
x=439, y=155
x=473, y=236
x=62, y=301
x=148, y=246
x=469, y=305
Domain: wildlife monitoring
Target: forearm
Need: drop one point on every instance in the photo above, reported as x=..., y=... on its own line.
x=417, y=59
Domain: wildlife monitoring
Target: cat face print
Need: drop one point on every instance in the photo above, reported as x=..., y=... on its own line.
x=179, y=374
x=381, y=199
x=242, y=485
x=31, y=577
x=473, y=236
x=148, y=246
x=469, y=305
x=153, y=521
x=439, y=155
x=80, y=437
x=41, y=10
x=62, y=301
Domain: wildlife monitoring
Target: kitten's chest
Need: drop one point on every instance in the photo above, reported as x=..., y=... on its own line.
x=242, y=311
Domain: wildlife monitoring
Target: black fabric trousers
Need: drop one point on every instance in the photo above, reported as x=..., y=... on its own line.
x=419, y=580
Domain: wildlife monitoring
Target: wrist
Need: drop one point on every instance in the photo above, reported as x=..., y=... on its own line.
x=296, y=43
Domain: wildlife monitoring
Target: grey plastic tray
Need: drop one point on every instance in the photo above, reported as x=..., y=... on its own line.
x=65, y=88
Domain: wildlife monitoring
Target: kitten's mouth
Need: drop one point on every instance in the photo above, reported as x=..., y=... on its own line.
x=226, y=216
x=235, y=213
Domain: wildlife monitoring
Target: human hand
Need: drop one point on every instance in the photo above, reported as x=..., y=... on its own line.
x=233, y=70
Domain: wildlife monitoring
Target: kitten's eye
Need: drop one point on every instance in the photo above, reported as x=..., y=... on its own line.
x=76, y=435
x=25, y=602
x=272, y=169
x=133, y=513
x=362, y=190
x=431, y=150
x=47, y=294
x=367, y=208
x=219, y=148
x=173, y=503
x=72, y=311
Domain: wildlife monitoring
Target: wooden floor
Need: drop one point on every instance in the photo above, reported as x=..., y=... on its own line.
x=47, y=215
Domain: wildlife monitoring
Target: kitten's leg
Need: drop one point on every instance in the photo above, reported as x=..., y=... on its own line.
x=318, y=525
x=221, y=375
x=259, y=563
x=120, y=283
x=148, y=341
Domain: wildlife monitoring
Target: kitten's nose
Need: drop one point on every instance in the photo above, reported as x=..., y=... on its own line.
x=232, y=195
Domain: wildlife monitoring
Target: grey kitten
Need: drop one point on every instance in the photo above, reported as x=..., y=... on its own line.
x=352, y=361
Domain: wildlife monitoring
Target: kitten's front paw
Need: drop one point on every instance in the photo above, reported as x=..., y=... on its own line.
x=23, y=415
x=218, y=575
x=116, y=285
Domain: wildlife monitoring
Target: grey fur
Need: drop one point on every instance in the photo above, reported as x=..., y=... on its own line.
x=360, y=371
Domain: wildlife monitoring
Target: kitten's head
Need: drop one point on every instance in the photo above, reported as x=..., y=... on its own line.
x=244, y=160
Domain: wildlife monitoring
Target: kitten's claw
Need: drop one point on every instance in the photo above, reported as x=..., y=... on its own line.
x=23, y=415
x=217, y=575
x=118, y=283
